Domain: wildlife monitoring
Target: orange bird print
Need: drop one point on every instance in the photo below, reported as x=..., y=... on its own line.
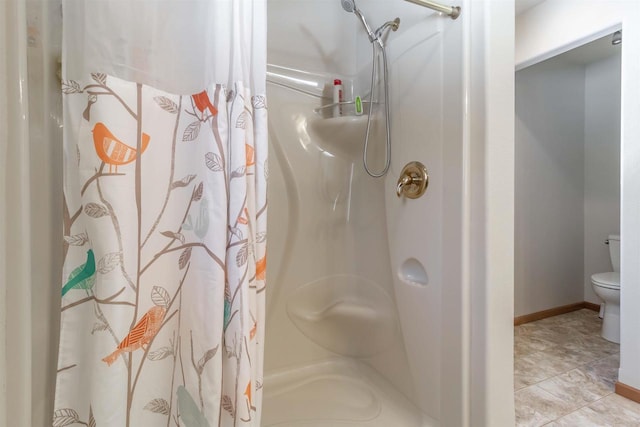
x=261, y=268
x=244, y=219
x=111, y=150
x=141, y=334
x=202, y=102
x=247, y=392
x=249, y=155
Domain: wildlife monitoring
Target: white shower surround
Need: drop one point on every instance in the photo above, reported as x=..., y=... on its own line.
x=442, y=75
x=15, y=243
x=31, y=118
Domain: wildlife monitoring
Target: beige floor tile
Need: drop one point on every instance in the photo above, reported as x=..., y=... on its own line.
x=587, y=326
x=583, y=354
x=574, y=328
x=575, y=387
x=586, y=313
x=584, y=417
x=525, y=329
x=562, y=364
x=595, y=342
x=610, y=411
x=608, y=346
x=618, y=409
x=604, y=370
x=563, y=359
x=548, y=335
x=553, y=334
x=541, y=365
x=528, y=344
x=522, y=381
x=551, y=321
x=536, y=407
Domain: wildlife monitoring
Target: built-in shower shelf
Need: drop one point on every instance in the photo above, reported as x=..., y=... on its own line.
x=337, y=124
x=347, y=108
x=340, y=135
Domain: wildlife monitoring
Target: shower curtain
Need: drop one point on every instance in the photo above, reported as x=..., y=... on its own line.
x=165, y=151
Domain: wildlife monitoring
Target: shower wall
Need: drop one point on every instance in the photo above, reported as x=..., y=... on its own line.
x=44, y=27
x=328, y=238
x=311, y=35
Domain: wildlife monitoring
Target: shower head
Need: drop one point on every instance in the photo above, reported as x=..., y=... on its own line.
x=350, y=6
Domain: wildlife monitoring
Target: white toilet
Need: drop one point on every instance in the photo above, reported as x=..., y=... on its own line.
x=607, y=287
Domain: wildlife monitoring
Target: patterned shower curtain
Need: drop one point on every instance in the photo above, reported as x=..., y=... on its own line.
x=165, y=253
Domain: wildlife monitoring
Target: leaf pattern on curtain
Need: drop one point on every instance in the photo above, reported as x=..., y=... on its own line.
x=165, y=256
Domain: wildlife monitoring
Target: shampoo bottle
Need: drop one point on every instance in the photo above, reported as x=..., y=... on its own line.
x=337, y=98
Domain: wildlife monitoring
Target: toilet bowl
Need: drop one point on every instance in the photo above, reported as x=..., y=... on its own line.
x=607, y=287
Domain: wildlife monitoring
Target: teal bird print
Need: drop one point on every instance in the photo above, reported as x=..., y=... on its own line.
x=227, y=313
x=190, y=413
x=201, y=224
x=82, y=277
x=227, y=306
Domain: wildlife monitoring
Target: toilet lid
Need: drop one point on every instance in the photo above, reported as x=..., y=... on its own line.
x=607, y=280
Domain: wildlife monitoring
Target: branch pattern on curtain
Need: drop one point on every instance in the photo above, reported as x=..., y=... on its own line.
x=165, y=256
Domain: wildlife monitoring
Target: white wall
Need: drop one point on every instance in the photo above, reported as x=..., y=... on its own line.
x=549, y=186
x=553, y=27
x=602, y=166
x=556, y=26
x=553, y=98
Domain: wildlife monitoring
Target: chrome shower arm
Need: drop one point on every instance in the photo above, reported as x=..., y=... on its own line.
x=395, y=24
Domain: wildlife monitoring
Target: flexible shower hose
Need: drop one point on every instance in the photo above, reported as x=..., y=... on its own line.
x=387, y=106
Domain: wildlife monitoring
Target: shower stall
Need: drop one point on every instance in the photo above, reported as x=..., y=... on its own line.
x=381, y=310
x=362, y=296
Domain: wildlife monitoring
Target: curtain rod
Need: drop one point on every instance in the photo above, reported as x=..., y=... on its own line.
x=452, y=11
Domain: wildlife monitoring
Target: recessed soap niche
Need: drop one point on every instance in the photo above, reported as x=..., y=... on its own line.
x=413, y=272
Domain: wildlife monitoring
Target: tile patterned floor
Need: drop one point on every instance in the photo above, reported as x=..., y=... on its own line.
x=565, y=375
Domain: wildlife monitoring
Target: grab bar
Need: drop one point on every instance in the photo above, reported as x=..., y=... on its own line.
x=452, y=11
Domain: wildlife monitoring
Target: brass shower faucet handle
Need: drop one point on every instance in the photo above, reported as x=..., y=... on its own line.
x=413, y=181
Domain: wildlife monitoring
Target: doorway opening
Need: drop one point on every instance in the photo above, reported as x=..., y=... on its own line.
x=567, y=205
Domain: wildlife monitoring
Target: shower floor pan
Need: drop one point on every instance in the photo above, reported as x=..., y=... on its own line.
x=336, y=393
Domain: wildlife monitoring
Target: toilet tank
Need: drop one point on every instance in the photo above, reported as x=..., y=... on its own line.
x=614, y=251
